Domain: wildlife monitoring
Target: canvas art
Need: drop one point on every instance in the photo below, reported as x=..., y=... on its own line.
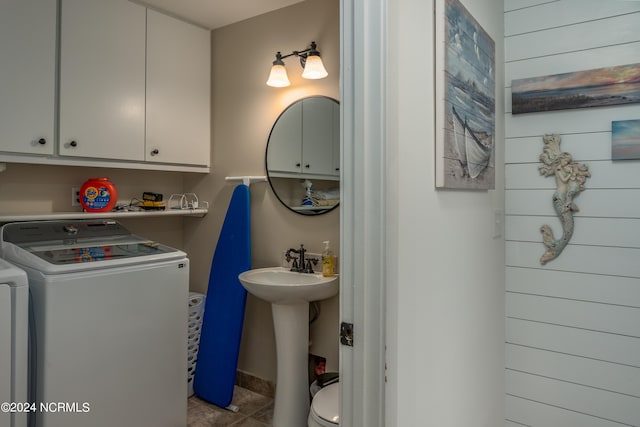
x=592, y=88
x=625, y=140
x=465, y=97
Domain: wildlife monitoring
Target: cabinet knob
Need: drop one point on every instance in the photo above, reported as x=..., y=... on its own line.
x=297, y=165
x=42, y=141
x=155, y=152
x=307, y=166
x=73, y=144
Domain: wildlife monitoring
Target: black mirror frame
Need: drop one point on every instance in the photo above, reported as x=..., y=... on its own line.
x=266, y=165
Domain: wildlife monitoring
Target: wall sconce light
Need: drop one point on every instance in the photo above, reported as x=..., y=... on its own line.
x=310, y=61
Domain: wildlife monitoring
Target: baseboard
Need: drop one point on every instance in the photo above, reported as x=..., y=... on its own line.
x=255, y=384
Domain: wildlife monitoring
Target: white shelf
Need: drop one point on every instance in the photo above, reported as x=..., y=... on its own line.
x=247, y=180
x=99, y=163
x=293, y=175
x=312, y=208
x=112, y=215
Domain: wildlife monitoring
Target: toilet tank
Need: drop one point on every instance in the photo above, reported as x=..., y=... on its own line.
x=14, y=304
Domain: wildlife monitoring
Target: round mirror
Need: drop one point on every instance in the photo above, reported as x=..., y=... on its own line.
x=303, y=156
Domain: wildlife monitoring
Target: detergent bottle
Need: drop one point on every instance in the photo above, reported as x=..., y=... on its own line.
x=98, y=195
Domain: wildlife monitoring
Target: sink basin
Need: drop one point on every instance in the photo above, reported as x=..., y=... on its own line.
x=279, y=285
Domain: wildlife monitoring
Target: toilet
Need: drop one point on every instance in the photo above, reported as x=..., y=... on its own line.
x=325, y=407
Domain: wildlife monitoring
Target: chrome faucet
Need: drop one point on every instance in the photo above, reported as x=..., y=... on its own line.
x=300, y=264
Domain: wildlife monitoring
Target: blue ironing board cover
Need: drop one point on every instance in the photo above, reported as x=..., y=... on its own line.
x=223, y=317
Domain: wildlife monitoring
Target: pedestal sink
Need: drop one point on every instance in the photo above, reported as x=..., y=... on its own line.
x=289, y=294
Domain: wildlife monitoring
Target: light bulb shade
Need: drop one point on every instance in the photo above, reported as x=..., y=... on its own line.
x=314, y=68
x=278, y=76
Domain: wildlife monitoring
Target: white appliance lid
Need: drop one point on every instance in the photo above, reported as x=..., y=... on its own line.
x=53, y=246
x=326, y=403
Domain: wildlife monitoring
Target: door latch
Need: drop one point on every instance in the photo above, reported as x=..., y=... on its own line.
x=346, y=334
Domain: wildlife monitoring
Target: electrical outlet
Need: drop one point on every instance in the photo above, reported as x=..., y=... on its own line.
x=75, y=196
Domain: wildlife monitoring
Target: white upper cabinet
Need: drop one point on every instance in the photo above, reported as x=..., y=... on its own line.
x=178, y=91
x=306, y=140
x=102, y=79
x=285, y=142
x=27, y=76
x=319, y=136
x=132, y=91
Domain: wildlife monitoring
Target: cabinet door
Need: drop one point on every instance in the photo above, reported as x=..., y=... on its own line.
x=102, y=79
x=178, y=91
x=285, y=141
x=317, y=137
x=27, y=75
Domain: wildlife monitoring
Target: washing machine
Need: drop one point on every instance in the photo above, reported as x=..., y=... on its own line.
x=109, y=324
x=14, y=306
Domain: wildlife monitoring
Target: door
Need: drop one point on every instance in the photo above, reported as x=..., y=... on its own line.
x=178, y=91
x=285, y=141
x=27, y=76
x=102, y=79
x=317, y=136
x=124, y=329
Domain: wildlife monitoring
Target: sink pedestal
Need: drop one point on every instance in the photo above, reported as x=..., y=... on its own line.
x=289, y=294
x=291, y=323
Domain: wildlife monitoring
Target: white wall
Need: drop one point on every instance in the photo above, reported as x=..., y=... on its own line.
x=445, y=282
x=572, y=326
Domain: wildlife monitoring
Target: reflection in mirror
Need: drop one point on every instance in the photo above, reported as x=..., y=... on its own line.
x=303, y=156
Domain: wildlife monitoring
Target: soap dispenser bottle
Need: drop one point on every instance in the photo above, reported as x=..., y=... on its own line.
x=328, y=260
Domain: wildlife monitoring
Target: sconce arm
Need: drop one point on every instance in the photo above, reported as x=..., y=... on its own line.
x=302, y=54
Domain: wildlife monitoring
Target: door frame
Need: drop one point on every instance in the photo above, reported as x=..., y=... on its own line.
x=362, y=210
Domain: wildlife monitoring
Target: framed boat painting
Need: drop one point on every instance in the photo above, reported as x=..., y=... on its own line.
x=465, y=100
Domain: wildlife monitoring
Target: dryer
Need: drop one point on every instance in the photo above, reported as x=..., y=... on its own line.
x=109, y=321
x=14, y=305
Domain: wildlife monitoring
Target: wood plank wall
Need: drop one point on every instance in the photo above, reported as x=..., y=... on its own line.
x=572, y=326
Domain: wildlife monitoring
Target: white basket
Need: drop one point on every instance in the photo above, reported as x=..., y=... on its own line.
x=196, y=310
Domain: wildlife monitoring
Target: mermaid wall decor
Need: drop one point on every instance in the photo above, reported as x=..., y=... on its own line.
x=570, y=178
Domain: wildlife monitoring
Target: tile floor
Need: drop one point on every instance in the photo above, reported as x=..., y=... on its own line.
x=256, y=410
